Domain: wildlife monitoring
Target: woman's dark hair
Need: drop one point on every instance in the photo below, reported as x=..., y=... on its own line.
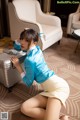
x=29, y=35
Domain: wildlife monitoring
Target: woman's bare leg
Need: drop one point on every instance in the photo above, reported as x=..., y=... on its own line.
x=35, y=107
x=40, y=107
x=53, y=109
x=64, y=117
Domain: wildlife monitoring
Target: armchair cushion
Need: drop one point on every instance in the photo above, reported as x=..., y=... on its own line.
x=49, y=30
x=76, y=25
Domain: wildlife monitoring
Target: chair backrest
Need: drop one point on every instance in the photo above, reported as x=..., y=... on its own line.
x=25, y=9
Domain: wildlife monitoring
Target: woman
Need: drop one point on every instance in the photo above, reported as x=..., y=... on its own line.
x=47, y=104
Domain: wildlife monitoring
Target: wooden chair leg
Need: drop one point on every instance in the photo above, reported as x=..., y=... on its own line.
x=59, y=42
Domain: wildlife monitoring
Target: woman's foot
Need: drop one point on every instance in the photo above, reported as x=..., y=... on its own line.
x=64, y=117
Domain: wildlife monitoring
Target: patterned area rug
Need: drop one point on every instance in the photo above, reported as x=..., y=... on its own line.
x=66, y=63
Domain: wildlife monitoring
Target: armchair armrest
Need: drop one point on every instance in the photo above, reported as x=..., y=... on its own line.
x=45, y=18
x=49, y=20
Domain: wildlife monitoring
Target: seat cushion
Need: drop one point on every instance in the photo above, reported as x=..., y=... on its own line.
x=76, y=25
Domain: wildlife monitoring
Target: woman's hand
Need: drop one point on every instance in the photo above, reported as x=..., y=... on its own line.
x=16, y=63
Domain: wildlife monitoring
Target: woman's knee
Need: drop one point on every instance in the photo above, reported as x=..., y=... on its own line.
x=25, y=107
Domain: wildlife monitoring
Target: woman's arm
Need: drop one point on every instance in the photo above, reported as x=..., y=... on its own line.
x=28, y=74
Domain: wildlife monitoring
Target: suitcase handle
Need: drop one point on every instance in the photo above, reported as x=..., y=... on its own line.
x=13, y=65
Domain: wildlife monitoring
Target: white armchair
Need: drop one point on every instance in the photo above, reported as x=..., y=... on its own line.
x=73, y=21
x=27, y=14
